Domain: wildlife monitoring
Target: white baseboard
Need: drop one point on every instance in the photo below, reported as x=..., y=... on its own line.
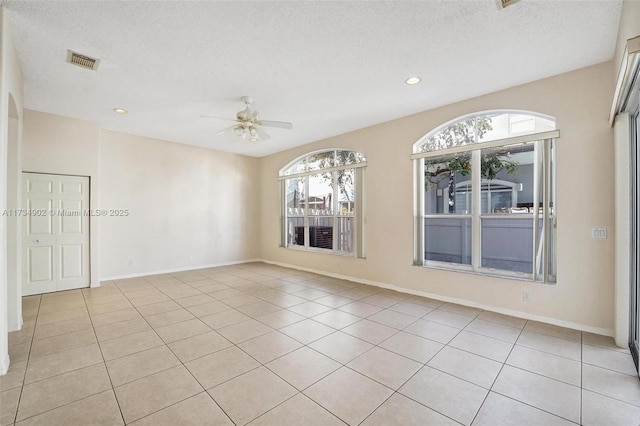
x=16, y=326
x=169, y=271
x=4, y=364
x=514, y=313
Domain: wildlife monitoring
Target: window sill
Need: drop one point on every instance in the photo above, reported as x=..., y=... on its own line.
x=485, y=272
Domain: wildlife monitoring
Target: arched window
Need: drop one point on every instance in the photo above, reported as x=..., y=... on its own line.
x=486, y=195
x=321, y=195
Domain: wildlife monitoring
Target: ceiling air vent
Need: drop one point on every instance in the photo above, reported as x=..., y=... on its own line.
x=83, y=61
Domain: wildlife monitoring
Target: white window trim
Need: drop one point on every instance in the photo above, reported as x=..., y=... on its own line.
x=358, y=235
x=476, y=217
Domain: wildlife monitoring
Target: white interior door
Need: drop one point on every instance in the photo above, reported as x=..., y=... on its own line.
x=56, y=233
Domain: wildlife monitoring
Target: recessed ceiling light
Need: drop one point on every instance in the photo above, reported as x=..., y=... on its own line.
x=412, y=80
x=120, y=111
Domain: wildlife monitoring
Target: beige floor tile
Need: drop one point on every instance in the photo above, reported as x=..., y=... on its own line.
x=341, y=347
x=550, y=344
x=244, y=300
x=610, y=383
x=113, y=317
x=606, y=342
x=14, y=377
x=311, y=294
x=223, y=319
x=109, y=307
x=411, y=346
x=380, y=300
x=48, y=306
x=107, y=298
x=401, y=411
x=448, y=395
x=303, y=367
x=198, y=410
x=178, y=293
x=58, y=316
x=334, y=301
x=158, y=308
x=488, y=347
x=392, y=319
x=500, y=410
x=309, y=309
x=460, y=309
x=297, y=411
x=425, y=301
x=9, y=406
x=141, y=364
x=337, y=319
x=409, y=308
x=19, y=353
x=451, y=319
x=280, y=319
x=243, y=331
x=251, y=395
x=370, y=331
x=259, y=309
x=61, y=362
x=554, y=330
x=541, y=392
x=546, y=364
x=208, y=308
x=220, y=366
x=63, y=342
x=198, y=346
x=269, y=346
x=348, y=395
x=495, y=330
x=119, y=329
x=182, y=330
x=307, y=331
x=63, y=389
x=600, y=410
x=152, y=393
x=502, y=319
x=126, y=345
x=149, y=300
x=198, y=299
x=467, y=366
x=383, y=366
x=360, y=309
x=433, y=331
x=23, y=336
x=224, y=293
x=612, y=360
x=167, y=318
x=100, y=409
x=285, y=300
x=63, y=327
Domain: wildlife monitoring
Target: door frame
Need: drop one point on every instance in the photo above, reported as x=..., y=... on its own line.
x=91, y=225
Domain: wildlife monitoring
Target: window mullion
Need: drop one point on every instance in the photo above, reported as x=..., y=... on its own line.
x=419, y=212
x=476, y=210
x=306, y=213
x=335, y=204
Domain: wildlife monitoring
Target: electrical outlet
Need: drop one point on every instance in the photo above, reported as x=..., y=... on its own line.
x=527, y=296
x=599, y=233
x=190, y=257
x=129, y=262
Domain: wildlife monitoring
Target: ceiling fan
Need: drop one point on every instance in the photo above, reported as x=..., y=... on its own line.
x=248, y=124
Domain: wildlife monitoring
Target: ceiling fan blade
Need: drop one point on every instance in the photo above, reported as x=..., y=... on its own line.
x=279, y=124
x=226, y=130
x=218, y=118
x=263, y=135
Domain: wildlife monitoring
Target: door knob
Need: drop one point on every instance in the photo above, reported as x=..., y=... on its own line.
x=37, y=240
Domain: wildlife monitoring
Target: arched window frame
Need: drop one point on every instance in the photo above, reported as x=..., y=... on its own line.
x=339, y=221
x=543, y=219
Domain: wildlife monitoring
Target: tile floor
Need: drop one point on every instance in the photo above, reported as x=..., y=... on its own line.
x=264, y=345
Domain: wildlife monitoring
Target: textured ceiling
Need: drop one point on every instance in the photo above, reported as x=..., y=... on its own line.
x=328, y=67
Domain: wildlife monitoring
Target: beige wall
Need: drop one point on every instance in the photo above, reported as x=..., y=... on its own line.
x=583, y=295
x=61, y=145
x=189, y=207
